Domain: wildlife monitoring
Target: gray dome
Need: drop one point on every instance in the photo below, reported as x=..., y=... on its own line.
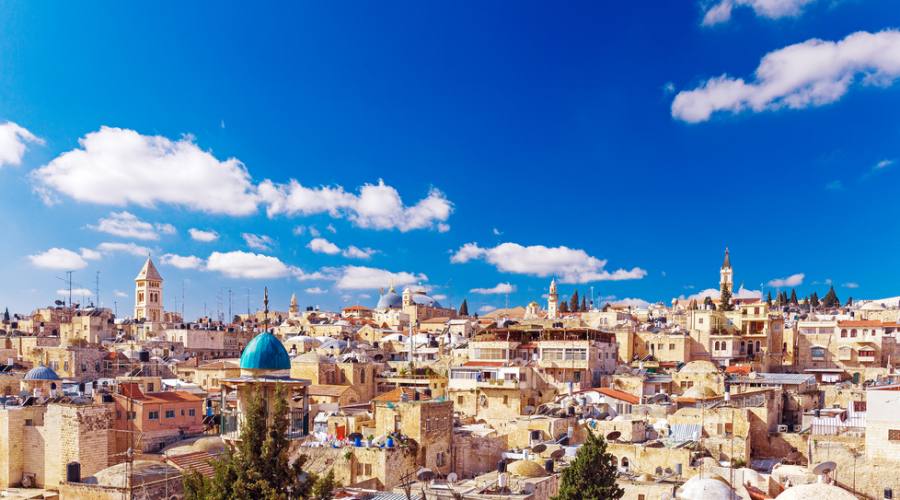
x=390, y=300
x=424, y=300
x=41, y=373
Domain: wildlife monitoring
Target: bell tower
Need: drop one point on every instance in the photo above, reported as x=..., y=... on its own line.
x=726, y=274
x=148, y=286
x=552, y=301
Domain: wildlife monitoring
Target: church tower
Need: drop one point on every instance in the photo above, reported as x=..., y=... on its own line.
x=552, y=301
x=726, y=275
x=148, y=293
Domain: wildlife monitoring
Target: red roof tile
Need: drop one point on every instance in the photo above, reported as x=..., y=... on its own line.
x=620, y=395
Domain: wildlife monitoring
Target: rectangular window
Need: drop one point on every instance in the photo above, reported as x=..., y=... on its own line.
x=192, y=412
x=894, y=435
x=459, y=400
x=29, y=422
x=368, y=469
x=153, y=415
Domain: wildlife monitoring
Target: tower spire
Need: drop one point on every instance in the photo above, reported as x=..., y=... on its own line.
x=266, y=309
x=727, y=263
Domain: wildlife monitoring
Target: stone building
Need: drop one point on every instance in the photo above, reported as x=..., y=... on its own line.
x=148, y=289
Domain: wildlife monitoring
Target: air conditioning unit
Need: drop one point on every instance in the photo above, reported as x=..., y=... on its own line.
x=782, y=428
x=798, y=428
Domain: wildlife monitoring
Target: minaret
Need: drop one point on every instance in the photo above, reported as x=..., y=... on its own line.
x=726, y=275
x=552, y=301
x=148, y=287
x=294, y=310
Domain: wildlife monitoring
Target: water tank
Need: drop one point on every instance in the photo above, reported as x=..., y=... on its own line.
x=73, y=472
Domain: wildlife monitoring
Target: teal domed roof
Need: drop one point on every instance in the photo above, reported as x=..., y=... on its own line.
x=265, y=352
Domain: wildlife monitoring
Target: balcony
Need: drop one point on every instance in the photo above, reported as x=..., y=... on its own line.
x=498, y=383
x=230, y=427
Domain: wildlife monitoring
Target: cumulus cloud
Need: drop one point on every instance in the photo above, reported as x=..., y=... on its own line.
x=128, y=225
x=258, y=241
x=376, y=206
x=90, y=254
x=851, y=284
x=80, y=292
x=58, y=258
x=119, y=293
x=486, y=309
x=14, y=140
x=499, y=288
x=115, y=166
x=792, y=280
x=720, y=11
x=182, y=261
x=370, y=278
x=206, y=236
x=321, y=245
x=812, y=73
x=129, y=248
x=569, y=264
x=632, y=302
x=742, y=293
x=239, y=264
x=315, y=291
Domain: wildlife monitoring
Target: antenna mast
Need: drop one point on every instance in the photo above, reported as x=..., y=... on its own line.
x=97, y=291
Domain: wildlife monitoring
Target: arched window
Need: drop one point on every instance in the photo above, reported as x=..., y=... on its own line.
x=757, y=346
x=624, y=462
x=843, y=332
x=853, y=332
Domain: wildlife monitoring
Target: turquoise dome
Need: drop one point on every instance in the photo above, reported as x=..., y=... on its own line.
x=41, y=373
x=265, y=352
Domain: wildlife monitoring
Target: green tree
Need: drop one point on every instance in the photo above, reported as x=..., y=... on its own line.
x=830, y=300
x=849, y=301
x=592, y=475
x=769, y=298
x=725, y=299
x=464, y=308
x=584, y=304
x=794, y=300
x=260, y=467
x=564, y=307
x=573, y=302
x=324, y=488
x=708, y=303
x=814, y=300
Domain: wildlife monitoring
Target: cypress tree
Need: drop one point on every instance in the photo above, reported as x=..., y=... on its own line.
x=573, y=302
x=831, y=299
x=794, y=300
x=725, y=299
x=592, y=475
x=564, y=307
x=584, y=304
x=464, y=308
x=769, y=298
x=814, y=300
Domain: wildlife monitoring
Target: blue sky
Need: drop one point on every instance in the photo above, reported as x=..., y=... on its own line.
x=614, y=146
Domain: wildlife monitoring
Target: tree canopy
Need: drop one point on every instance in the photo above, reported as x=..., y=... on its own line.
x=464, y=308
x=592, y=475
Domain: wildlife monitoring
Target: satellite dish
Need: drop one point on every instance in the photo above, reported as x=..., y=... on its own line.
x=425, y=474
x=612, y=436
x=539, y=448
x=824, y=468
x=558, y=454
x=452, y=477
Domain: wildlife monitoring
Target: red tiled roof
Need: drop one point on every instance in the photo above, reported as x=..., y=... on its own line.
x=485, y=364
x=620, y=395
x=739, y=369
x=394, y=395
x=860, y=322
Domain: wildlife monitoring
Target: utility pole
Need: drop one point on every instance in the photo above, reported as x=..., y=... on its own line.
x=97, y=291
x=182, y=300
x=230, y=316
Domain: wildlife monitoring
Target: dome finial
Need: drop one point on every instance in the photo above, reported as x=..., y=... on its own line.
x=266, y=308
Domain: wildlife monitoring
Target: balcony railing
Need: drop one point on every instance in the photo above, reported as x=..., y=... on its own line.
x=298, y=424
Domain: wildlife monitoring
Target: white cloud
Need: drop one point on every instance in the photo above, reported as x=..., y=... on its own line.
x=258, y=241
x=206, y=236
x=496, y=232
x=354, y=252
x=439, y=296
x=331, y=228
x=90, y=254
x=299, y=230
x=128, y=225
x=119, y=293
x=370, y=278
x=486, y=309
x=851, y=284
x=720, y=12
x=883, y=164
x=811, y=73
x=58, y=258
x=321, y=245
x=238, y=264
x=377, y=206
x=14, y=141
x=632, y=302
x=742, y=293
x=792, y=280
x=499, y=288
x=130, y=248
x=115, y=166
x=569, y=264
x=182, y=261
x=76, y=292
x=315, y=291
